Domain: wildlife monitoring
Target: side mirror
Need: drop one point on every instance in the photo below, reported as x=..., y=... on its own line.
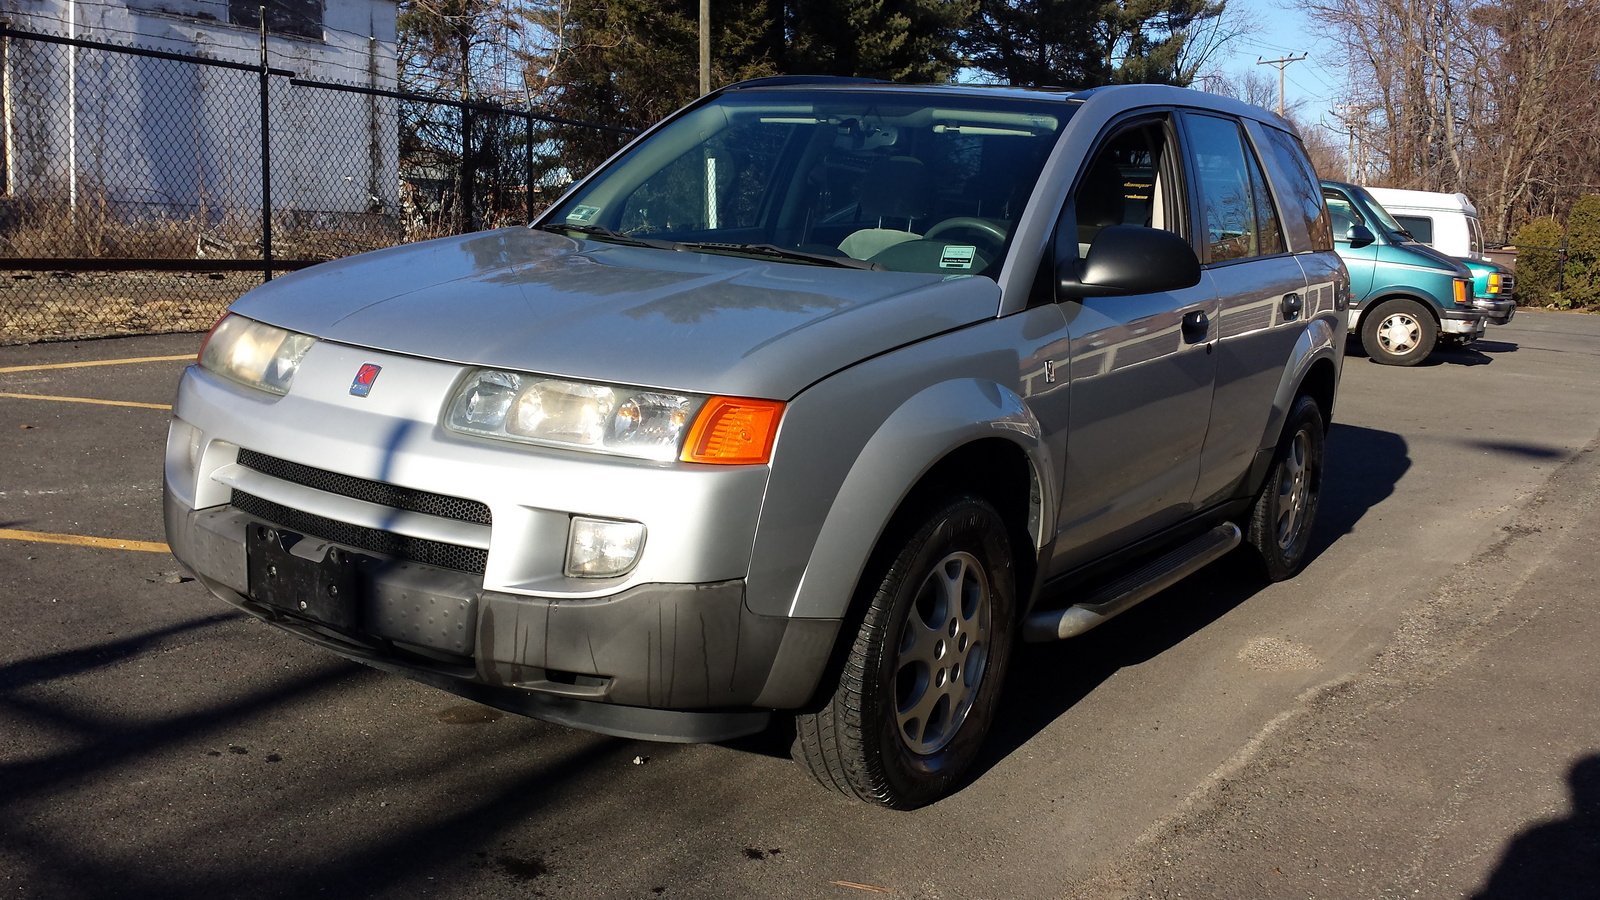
x=1359, y=236
x=1129, y=259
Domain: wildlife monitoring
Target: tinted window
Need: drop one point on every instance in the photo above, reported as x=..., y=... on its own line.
x=298, y=17
x=1238, y=212
x=1421, y=227
x=1301, y=192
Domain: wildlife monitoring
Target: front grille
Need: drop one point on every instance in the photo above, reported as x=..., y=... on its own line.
x=457, y=508
x=432, y=553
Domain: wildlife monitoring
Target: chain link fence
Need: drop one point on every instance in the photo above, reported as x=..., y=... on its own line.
x=141, y=191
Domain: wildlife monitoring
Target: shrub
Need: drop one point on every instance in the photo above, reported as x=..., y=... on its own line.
x=1538, y=262
x=1582, y=275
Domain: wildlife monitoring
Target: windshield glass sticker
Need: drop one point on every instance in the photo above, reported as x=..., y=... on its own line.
x=582, y=214
x=958, y=257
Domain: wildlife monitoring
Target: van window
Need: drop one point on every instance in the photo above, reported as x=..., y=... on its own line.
x=1421, y=227
x=1240, y=220
x=1476, y=249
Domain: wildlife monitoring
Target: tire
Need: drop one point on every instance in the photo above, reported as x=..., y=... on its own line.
x=1399, y=333
x=913, y=703
x=1285, y=510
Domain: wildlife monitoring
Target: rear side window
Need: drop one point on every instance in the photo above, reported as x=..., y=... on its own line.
x=1239, y=218
x=1420, y=227
x=1302, y=192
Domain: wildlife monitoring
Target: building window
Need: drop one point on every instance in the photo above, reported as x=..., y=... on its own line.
x=302, y=18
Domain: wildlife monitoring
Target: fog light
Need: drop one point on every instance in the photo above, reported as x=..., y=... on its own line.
x=603, y=548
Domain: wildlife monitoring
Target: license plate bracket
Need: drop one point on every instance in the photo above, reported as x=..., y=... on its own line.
x=304, y=576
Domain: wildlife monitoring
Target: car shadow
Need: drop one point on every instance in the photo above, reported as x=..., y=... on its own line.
x=1363, y=466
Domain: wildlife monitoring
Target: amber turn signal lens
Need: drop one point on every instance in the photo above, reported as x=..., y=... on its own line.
x=733, y=431
x=1463, y=292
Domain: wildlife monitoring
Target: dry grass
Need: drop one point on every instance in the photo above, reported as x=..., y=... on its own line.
x=38, y=306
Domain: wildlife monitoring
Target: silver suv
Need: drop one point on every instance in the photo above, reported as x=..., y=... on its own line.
x=815, y=399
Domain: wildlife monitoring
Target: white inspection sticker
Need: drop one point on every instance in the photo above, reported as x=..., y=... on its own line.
x=582, y=214
x=958, y=257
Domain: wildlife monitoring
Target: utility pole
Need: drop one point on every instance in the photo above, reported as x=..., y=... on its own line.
x=705, y=47
x=1282, y=63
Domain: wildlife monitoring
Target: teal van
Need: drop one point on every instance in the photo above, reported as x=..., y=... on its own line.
x=1405, y=297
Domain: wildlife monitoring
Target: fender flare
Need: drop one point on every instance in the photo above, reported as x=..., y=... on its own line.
x=920, y=433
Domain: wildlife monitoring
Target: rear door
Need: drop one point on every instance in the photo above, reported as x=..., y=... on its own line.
x=1263, y=302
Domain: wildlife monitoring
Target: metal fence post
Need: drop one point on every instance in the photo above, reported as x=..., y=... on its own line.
x=469, y=188
x=527, y=190
x=266, y=158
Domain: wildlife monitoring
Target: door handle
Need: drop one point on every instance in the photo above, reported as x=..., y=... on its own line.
x=1195, y=326
x=1291, y=307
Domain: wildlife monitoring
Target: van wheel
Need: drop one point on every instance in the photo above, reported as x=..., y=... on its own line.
x=1399, y=333
x=1286, y=508
x=919, y=688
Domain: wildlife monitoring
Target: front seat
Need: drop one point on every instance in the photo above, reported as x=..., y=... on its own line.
x=893, y=188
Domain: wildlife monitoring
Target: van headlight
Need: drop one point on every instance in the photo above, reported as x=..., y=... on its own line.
x=254, y=354
x=626, y=421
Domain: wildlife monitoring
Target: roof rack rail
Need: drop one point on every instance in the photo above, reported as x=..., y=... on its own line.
x=786, y=80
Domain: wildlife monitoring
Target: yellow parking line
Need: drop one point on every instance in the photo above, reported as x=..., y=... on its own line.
x=86, y=400
x=97, y=362
x=79, y=540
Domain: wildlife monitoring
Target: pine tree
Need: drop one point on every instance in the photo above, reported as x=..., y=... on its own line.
x=1038, y=43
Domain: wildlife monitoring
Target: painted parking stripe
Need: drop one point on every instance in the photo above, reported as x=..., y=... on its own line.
x=86, y=400
x=78, y=540
x=96, y=362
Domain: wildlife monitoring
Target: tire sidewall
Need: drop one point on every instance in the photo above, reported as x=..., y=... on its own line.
x=1428, y=338
x=970, y=525
x=1304, y=416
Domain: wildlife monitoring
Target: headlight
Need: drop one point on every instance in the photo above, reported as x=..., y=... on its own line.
x=254, y=354
x=530, y=408
x=626, y=421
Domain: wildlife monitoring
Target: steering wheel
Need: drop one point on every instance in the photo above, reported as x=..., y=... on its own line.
x=982, y=227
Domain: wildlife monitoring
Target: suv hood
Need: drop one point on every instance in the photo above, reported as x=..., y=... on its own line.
x=538, y=302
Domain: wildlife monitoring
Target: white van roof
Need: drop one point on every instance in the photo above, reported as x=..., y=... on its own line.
x=1393, y=198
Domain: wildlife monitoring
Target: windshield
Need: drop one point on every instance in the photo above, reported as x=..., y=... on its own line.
x=1385, y=221
x=912, y=182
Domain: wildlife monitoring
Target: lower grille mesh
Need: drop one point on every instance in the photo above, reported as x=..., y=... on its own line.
x=432, y=553
x=371, y=491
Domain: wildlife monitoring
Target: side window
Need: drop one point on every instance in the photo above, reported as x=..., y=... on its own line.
x=1342, y=212
x=1420, y=227
x=1303, y=191
x=1127, y=183
x=1238, y=212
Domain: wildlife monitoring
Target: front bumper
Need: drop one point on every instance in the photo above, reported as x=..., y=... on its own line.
x=1465, y=324
x=655, y=662
x=1496, y=312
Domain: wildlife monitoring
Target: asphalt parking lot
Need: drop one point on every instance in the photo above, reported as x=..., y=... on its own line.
x=1415, y=715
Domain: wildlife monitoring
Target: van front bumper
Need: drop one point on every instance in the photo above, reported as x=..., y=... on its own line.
x=1496, y=312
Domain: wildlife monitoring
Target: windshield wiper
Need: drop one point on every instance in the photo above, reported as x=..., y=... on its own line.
x=775, y=252
x=606, y=234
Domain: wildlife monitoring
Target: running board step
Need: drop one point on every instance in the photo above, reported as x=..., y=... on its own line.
x=1131, y=589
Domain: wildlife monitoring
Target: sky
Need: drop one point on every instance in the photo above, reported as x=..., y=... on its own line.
x=1285, y=31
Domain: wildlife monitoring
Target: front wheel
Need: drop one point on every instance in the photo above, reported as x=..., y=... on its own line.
x=1280, y=524
x=918, y=691
x=1399, y=333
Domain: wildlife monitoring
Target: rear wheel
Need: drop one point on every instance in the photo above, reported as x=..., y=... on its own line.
x=1399, y=333
x=1286, y=508
x=918, y=691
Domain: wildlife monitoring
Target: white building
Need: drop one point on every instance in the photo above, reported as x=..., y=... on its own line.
x=158, y=137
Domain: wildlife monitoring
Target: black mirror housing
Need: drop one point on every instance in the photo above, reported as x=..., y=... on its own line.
x=1359, y=236
x=1130, y=259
